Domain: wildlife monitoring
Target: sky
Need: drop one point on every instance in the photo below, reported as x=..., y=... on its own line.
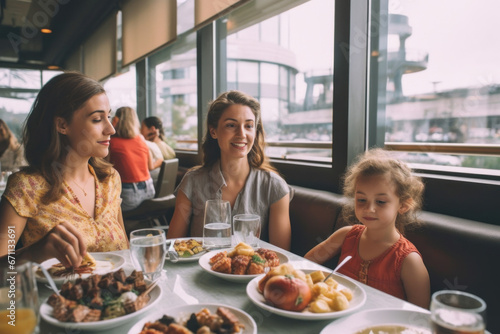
x=461, y=37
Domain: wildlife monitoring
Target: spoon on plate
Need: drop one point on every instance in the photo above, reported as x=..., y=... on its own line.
x=347, y=258
x=49, y=279
x=172, y=253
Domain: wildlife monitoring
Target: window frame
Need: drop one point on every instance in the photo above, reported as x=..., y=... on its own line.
x=356, y=125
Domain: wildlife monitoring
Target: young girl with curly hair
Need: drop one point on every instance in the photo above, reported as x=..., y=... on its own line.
x=384, y=198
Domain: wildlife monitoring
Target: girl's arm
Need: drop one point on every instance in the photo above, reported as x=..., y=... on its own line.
x=280, y=231
x=179, y=225
x=416, y=280
x=63, y=242
x=328, y=248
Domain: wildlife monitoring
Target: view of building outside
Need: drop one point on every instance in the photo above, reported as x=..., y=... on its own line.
x=286, y=62
x=443, y=77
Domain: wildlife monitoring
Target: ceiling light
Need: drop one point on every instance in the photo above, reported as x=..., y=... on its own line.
x=46, y=31
x=53, y=67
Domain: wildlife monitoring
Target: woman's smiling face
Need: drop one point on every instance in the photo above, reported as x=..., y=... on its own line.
x=235, y=131
x=90, y=128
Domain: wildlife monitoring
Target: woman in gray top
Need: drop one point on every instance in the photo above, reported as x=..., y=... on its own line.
x=235, y=169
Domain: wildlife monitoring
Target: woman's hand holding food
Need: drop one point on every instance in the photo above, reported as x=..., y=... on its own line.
x=64, y=242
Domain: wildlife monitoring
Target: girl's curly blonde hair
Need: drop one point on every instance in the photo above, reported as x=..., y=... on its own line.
x=409, y=188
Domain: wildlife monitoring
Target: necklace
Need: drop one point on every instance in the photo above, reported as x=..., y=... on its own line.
x=84, y=192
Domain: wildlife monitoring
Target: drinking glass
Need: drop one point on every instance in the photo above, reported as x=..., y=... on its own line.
x=246, y=228
x=217, y=224
x=148, y=248
x=18, y=299
x=457, y=312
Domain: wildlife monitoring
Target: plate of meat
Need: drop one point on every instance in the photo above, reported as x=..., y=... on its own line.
x=241, y=264
x=93, y=263
x=100, y=302
x=195, y=316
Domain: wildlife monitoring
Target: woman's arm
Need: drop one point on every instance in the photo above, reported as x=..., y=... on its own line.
x=280, y=231
x=63, y=242
x=179, y=225
x=122, y=224
x=416, y=280
x=328, y=248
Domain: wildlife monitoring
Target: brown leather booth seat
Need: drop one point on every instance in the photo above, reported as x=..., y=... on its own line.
x=459, y=254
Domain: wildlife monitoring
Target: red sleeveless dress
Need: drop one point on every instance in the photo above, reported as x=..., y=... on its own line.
x=383, y=272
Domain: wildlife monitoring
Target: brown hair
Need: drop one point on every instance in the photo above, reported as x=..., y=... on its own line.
x=45, y=148
x=10, y=141
x=211, y=150
x=409, y=188
x=128, y=123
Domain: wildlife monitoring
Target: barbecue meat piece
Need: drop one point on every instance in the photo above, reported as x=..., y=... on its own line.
x=93, y=315
x=239, y=264
x=270, y=256
x=120, y=276
x=230, y=320
x=78, y=313
x=217, y=257
x=222, y=266
x=76, y=292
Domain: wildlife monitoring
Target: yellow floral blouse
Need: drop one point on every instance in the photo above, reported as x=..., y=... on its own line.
x=102, y=233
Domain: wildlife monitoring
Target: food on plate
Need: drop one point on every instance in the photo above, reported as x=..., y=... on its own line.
x=188, y=248
x=87, y=266
x=223, y=321
x=243, y=260
x=100, y=297
x=285, y=292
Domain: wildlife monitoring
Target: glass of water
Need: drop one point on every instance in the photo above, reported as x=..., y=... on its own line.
x=246, y=228
x=457, y=312
x=148, y=248
x=217, y=224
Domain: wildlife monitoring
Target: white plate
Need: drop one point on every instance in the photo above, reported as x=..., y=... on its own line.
x=204, y=263
x=365, y=319
x=105, y=262
x=183, y=312
x=46, y=313
x=358, y=299
x=192, y=258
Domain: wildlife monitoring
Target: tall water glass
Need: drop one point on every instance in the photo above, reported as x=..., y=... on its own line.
x=148, y=248
x=457, y=312
x=217, y=224
x=18, y=299
x=246, y=228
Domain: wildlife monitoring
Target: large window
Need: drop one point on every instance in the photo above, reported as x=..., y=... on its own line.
x=172, y=75
x=18, y=90
x=285, y=60
x=438, y=80
x=122, y=89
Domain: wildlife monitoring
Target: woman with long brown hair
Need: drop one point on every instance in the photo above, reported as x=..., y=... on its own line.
x=67, y=200
x=235, y=168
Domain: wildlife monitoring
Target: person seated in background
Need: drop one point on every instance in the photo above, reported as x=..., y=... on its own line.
x=152, y=130
x=67, y=200
x=11, y=151
x=384, y=197
x=130, y=156
x=156, y=156
x=235, y=169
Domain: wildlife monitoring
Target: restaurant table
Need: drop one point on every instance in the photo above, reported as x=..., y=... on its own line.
x=187, y=283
